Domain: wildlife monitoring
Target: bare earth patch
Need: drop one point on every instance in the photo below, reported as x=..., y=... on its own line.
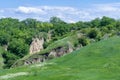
x=42, y=64
x=13, y=75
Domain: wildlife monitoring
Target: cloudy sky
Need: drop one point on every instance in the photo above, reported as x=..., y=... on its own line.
x=68, y=10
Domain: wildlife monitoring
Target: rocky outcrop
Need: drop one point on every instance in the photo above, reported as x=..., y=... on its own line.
x=50, y=54
x=57, y=52
x=60, y=51
x=34, y=60
x=49, y=36
x=5, y=47
x=54, y=53
x=36, y=45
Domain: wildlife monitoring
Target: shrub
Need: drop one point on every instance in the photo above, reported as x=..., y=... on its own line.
x=18, y=47
x=9, y=59
x=84, y=41
x=94, y=34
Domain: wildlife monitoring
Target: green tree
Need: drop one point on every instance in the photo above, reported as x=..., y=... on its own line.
x=9, y=59
x=4, y=38
x=96, y=22
x=106, y=21
x=18, y=47
x=94, y=33
x=55, y=20
x=84, y=41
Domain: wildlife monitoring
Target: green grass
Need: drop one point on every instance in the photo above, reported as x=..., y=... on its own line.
x=1, y=61
x=1, y=58
x=97, y=61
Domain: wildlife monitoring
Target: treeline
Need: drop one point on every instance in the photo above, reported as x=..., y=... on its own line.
x=16, y=36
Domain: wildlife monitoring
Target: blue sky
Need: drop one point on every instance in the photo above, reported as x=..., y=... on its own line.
x=72, y=3
x=68, y=10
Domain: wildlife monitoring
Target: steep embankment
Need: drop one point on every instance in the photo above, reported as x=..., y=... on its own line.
x=97, y=61
x=1, y=61
x=1, y=58
x=56, y=49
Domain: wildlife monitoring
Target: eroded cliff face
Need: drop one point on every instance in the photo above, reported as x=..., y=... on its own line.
x=36, y=45
x=37, y=59
x=60, y=51
x=57, y=52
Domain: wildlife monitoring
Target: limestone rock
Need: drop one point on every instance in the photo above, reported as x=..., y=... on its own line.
x=36, y=45
x=60, y=51
x=5, y=47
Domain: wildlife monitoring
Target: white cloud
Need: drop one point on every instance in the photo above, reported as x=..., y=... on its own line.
x=57, y=8
x=69, y=14
x=71, y=21
x=28, y=10
x=65, y=13
x=110, y=10
x=1, y=11
x=108, y=7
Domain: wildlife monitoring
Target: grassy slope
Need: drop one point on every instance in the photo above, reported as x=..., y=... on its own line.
x=60, y=43
x=1, y=59
x=98, y=61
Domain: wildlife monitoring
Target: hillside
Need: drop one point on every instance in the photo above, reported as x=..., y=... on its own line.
x=1, y=58
x=56, y=49
x=23, y=39
x=1, y=61
x=97, y=61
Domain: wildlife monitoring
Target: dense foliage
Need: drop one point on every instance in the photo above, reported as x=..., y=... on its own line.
x=17, y=35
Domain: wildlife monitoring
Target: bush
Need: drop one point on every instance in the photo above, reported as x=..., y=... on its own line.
x=18, y=47
x=9, y=59
x=84, y=41
x=4, y=38
x=94, y=34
